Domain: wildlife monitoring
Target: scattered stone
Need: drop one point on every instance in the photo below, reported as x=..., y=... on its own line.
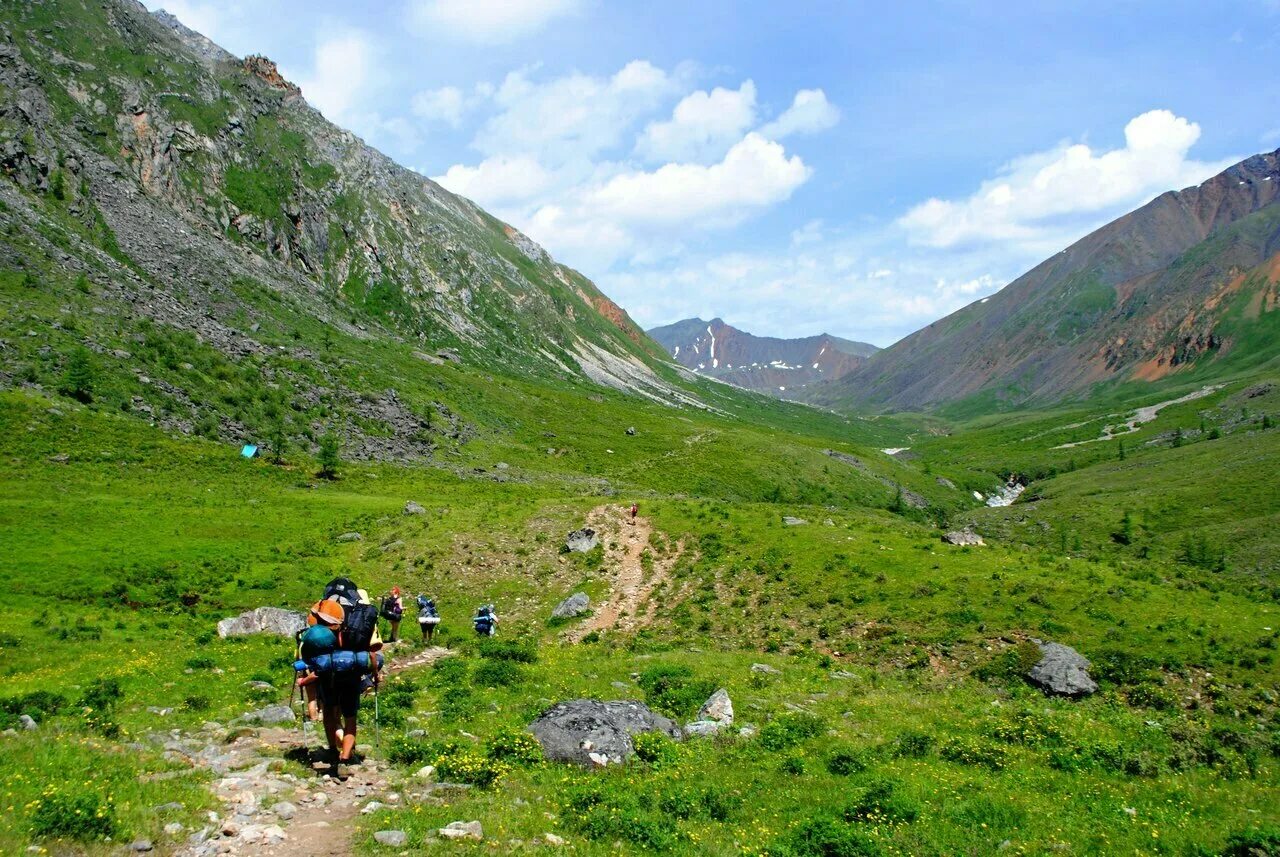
x=748, y=731
x=371, y=807
x=140, y=845
x=501, y=465
x=264, y=620
x=789, y=521
x=572, y=607
x=392, y=838
x=718, y=707
x=173, y=829
x=271, y=714
x=702, y=728
x=28, y=722
x=591, y=733
x=1062, y=671
x=412, y=508
x=350, y=537
x=284, y=810
x=963, y=537
x=766, y=669
x=631, y=431
x=581, y=541
x=946, y=483
x=173, y=806
x=553, y=840
x=462, y=830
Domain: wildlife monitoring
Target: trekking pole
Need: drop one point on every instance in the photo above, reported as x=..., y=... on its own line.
x=377, y=731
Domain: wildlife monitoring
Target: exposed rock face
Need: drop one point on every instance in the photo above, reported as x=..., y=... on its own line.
x=266, y=69
x=581, y=541
x=963, y=537
x=575, y=605
x=1062, y=671
x=593, y=733
x=777, y=367
x=264, y=620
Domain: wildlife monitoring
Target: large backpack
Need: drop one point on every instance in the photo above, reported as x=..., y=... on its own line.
x=343, y=590
x=316, y=640
x=358, y=628
x=392, y=611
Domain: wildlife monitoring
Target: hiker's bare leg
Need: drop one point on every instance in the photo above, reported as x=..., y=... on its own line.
x=348, y=739
x=332, y=717
x=395, y=630
x=313, y=707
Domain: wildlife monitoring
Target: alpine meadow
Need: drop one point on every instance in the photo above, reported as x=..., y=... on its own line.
x=1009, y=585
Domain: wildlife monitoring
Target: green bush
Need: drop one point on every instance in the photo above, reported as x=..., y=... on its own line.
x=448, y=672
x=514, y=746
x=458, y=703
x=1150, y=695
x=1120, y=667
x=497, y=674
x=102, y=694
x=654, y=748
x=82, y=816
x=1256, y=842
x=825, y=837
x=673, y=688
x=913, y=745
x=460, y=765
x=844, y=761
x=880, y=802
x=789, y=729
x=793, y=765
x=1012, y=664
x=37, y=705
x=196, y=702
x=508, y=650
x=975, y=751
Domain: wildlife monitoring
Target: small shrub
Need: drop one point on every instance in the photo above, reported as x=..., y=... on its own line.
x=844, y=761
x=514, y=746
x=497, y=674
x=102, y=694
x=467, y=766
x=1012, y=664
x=793, y=765
x=1154, y=696
x=975, y=751
x=508, y=650
x=448, y=672
x=196, y=703
x=826, y=837
x=673, y=688
x=1256, y=842
x=656, y=749
x=403, y=750
x=201, y=662
x=789, y=729
x=913, y=745
x=37, y=705
x=1121, y=667
x=82, y=816
x=458, y=703
x=881, y=802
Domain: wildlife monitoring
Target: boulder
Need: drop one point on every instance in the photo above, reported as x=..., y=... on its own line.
x=718, y=707
x=572, y=607
x=581, y=541
x=264, y=620
x=703, y=728
x=594, y=733
x=1062, y=671
x=391, y=838
x=412, y=508
x=271, y=714
x=462, y=830
x=28, y=722
x=789, y=521
x=963, y=537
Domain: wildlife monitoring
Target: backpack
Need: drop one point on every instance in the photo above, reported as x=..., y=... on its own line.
x=391, y=609
x=358, y=628
x=343, y=590
x=484, y=620
x=316, y=640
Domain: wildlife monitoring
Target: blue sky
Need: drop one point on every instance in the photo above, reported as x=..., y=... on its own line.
x=855, y=168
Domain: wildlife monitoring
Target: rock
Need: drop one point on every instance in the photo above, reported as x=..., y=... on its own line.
x=575, y=605
x=553, y=840
x=718, y=707
x=28, y=722
x=501, y=465
x=580, y=729
x=765, y=669
x=371, y=807
x=271, y=714
x=703, y=728
x=140, y=845
x=748, y=731
x=166, y=807
x=412, y=508
x=963, y=537
x=631, y=431
x=946, y=483
x=426, y=774
x=284, y=810
x=462, y=830
x=1062, y=671
x=789, y=521
x=581, y=541
x=173, y=829
x=350, y=537
x=264, y=620
x=392, y=838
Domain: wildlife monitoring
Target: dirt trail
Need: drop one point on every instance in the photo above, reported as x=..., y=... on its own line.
x=1140, y=417
x=629, y=589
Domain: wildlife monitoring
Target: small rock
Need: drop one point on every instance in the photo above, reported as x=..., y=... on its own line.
x=789, y=521
x=412, y=508
x=166, y=807
x=392, y=838
x=703, y=728
x=963, y=538
x=581, y=541
x=748, y=731
x=350, y=537
x=718, y=707
x=631, y=431
x=552, y=839
x=1062, y=671
x=501, y=465
x=462, y=830
x=575, y=605
x=264, y=620
x=28, y=723
x=426, y=774
x=271, y=714
x=140, y=845
x=371, y=807
x=284, y=810
x=766, y=669
x=173, y=828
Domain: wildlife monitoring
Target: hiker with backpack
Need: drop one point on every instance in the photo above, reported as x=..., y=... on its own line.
x=428, y=617
x=633, y=511
x=485, y=621
x=343, y=664
x=393, y=612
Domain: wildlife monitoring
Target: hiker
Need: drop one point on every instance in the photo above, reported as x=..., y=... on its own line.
x=633, y=511
x=486, y=621
x=428, y=617
x=393, y=612
x=323, y=616
x=353, y=666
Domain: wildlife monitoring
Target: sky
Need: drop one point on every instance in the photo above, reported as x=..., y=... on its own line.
x=855, y=168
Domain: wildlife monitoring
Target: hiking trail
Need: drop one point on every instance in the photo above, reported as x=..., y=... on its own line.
x=269, y=810
x=625, y=543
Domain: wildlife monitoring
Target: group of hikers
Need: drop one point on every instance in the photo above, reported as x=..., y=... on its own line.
x=339, y=655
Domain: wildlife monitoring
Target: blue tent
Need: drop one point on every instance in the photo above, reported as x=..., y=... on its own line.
x=249, y=450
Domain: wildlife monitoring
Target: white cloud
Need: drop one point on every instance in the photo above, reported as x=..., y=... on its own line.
x=702, y=126
x=809, y=113
x=1035, y=195
x=575, y=116
x=445, y=104
x=341, y=69
x=487, y=21
x=810, y=233
x=498, y=181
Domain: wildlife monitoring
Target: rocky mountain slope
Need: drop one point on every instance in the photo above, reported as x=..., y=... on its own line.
x=1186, y=283
x=779, y=367
x=196, y=197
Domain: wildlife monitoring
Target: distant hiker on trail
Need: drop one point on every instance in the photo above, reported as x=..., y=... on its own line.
x=486, y=621
x=393, y=612
x=428, y=617
x=633, y=511
x=342, y=664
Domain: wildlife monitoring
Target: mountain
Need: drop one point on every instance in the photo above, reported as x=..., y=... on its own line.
x=1183, y=287
x=779, y=367
x=214, y=217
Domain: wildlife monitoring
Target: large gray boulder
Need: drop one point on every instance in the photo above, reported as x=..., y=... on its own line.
x=593, y=733
x=1062, y=671
x=963, y=538
x=572, y=607
x=581, y=541
x=264, y=620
